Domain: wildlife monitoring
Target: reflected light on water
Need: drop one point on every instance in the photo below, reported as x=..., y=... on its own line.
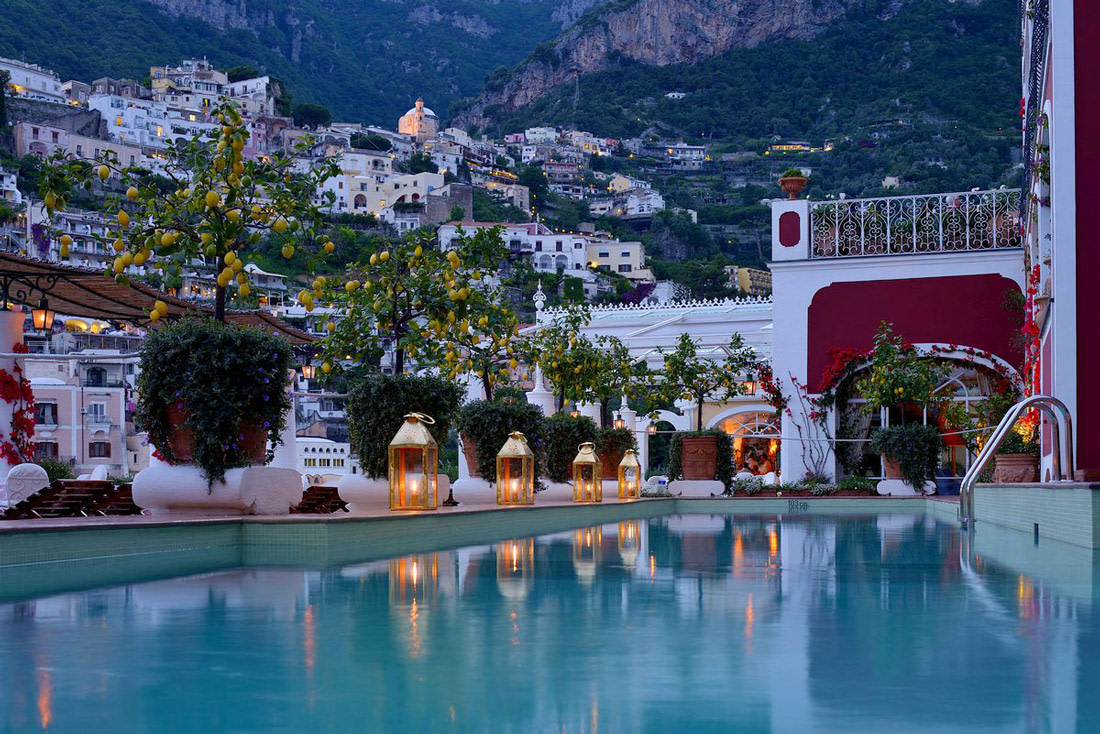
x=45, y=698
x=749, y=617
x=309, y=642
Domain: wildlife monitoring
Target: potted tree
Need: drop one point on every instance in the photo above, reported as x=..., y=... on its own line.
x=689, y=376
x=562, y=434
x=611, y=445
x=899, y=384
x=1017, y=458
x=195, y=405
x=792, y=181
x=486, y=425
x=912, y=452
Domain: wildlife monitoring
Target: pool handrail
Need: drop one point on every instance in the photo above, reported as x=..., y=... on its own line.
x=1061, y=425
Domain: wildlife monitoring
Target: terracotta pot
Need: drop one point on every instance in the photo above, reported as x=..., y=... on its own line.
x=1015, y=468
x=699, y=457
x=793, y=185
x=892, y=468
x=469, y=450
x=182, y=440
x=610, y=464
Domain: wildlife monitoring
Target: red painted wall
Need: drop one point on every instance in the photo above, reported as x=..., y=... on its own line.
x=1086, y=49
x=967, y=310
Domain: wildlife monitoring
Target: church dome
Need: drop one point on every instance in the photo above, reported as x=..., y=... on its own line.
x=427, y=112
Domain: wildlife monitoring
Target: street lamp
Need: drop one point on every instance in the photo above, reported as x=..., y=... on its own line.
x=651, y=429
x=750, y=386
x=308, y=370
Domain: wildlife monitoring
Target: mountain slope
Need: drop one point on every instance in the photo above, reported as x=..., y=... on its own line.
x=365, y=59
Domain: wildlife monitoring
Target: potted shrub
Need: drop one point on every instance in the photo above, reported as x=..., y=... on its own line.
x=611, y=444
x=914, y=450
x=1017, y=458
x=562, y=434
x=377, y=406
x=213, y=394
x=689, y=376
x=792, y=181
x=486, y=424
x=702, y=455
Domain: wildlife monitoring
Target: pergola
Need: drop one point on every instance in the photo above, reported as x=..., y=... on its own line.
x=86, y=292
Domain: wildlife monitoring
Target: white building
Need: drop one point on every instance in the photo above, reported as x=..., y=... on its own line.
x=625, y=258
x=323, y=461
x=9, y=191
x=150, y=124
x=253, y=96
x=541, y=135
x=549, y=251
x=31, y=81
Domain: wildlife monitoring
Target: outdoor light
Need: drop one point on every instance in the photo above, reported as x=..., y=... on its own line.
x=308, y=370
x=619, y=421
x=515, y=472
x=413, y=579
x=413, y=457
x=651, y=429
x=630, y=476
x=750, y=386
x=630, y=542
x=42, y=316
x=574, y=413
x=515, y=567
x=587, y=484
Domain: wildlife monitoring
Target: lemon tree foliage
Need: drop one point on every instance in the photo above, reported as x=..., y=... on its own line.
x=217, y=210
x=618, y=374
x=687, y=375
x=443, y=309
x=567, y=358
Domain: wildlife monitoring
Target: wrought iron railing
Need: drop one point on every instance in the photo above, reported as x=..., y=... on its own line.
x=908, y=225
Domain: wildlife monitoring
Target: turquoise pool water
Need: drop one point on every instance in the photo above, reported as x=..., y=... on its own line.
x=681, y=623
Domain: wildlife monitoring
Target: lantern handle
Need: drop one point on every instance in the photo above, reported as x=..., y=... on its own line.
x=518, y=435
x=586, y=443
x=422, y=417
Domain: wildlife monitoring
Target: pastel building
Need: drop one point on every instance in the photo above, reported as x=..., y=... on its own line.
x=31, y=81
x=419, y=122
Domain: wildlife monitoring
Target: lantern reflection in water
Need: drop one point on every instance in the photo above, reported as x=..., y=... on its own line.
x=630, y=542
x=413, y=455
x=515, y=568
x=587, y=483
x=586, y=553
x=414, y=578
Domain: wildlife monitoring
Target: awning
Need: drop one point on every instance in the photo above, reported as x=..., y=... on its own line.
x=88, y=292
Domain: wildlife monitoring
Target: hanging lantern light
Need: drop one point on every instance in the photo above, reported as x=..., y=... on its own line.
x=515, y=472
x=42, y=317
x=630, y=476
x=619, y=421
x=651, y=429
x=308, y=370
x=413, y=458
x=587, y=484
x=750, y=385
x=574, y=413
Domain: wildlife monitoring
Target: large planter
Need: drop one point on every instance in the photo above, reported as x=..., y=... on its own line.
x=699, y=457
x=469, y=450
x=793, y=185
x=891, y=468
x=1016, y=468
x=609, y=464
x=182, y=442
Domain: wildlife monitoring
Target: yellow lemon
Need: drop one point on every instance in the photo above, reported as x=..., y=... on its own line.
x=350, y=286
x=233, y=215
x=154, y=315
x=330, y=247
x=326, y=367
x=374, y=259
x=212, y=199
x=229, y=257
x=279, y=225
x=127, y=258
x=245, y=290
x=237, y=266
x=384, y=256
x=418, y=251
x=123, y=219
x=288, y=251
x=139, y=258
x=51, y=200
x=206, y=238
x=330, y=327
x=161, y=306
x=118, y=245
x=118, y=265
x=66, y=240
x=104, y=173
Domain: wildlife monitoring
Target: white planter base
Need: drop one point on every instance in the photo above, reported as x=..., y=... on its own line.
x=557, y=491
x=696, y=488
x=899, y=488
x=255, y=490
x=469, y=489
x=365, y=495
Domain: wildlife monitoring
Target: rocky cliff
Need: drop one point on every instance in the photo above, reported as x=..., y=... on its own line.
x=657, y=32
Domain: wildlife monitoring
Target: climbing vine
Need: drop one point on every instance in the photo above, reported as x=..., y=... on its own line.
x=16, y=389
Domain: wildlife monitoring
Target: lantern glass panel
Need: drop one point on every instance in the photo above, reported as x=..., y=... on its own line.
x=587, y=484
x=630, y=484
x=514, y=480
x=413, y=478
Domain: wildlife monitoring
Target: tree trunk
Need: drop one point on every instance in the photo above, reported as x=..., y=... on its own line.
x=487, y=386
x=603, y=412
x=219, y=303
x=399, y=362
x=699, y=416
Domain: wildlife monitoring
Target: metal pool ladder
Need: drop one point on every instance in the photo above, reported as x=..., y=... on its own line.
x=1061, y=426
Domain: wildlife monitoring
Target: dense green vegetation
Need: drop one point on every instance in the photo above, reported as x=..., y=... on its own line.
x=366, y=60
x=938, y=81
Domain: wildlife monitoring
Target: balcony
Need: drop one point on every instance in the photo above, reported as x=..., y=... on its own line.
x=912, y=225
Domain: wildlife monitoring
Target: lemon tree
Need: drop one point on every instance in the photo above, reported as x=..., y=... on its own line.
x=689, y=375
x=216, y=210
x=418, y=301
x=617, y=375
x=567, y=358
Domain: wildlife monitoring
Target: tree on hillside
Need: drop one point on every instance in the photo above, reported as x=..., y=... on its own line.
x=421, y=163
x=3, y=98
x=313, y=115
x=371, y=142
x=240, y=73
x=537, y=184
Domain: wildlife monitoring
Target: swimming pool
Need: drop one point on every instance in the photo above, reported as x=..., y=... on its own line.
x=676, y=623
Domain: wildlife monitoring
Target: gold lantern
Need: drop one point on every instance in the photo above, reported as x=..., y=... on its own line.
x=586, y=553
x=515, y=472
x=413, y=457
x=630, y=476
x=587, y=483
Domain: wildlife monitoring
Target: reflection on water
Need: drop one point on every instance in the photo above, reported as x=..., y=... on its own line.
x=695, y=621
